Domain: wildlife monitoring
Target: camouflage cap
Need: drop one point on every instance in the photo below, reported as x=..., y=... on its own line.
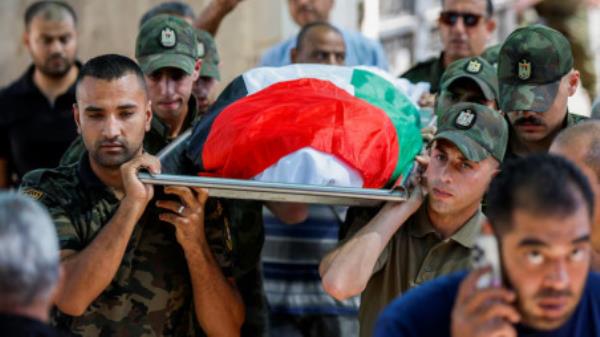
x=491, y=54
x=166, y=41
x=475, y=68
x=207, y=51
x=476, y=130
x=531, y=64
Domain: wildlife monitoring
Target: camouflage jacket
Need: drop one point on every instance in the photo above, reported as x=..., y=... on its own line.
x=151, y=293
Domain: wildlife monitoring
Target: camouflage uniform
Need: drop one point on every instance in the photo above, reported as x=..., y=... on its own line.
x=531, y=64
x=416, y=253
x=151, y=293
x=476, y=69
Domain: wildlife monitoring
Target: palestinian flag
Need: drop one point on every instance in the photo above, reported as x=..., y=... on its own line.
x=309, y=124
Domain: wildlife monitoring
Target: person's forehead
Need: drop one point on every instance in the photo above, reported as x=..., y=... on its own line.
x=475, y=6
x=51, y=27
x=324, y=39
x=551, y=229
x=95, y=89
x=448, y=148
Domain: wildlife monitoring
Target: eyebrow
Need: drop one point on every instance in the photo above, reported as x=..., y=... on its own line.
x=539, y=243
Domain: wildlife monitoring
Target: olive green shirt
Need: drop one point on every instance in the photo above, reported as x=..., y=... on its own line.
x=151, y=292
x=414, y=255
x=429, y=71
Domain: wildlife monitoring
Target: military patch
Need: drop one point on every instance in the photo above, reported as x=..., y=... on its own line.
x=465, y=119
x=168, y=39
x=33, y=193
x=201, y=49
x=524, y=70
x=474, y=67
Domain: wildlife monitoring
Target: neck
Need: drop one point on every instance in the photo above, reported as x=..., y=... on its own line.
x=111, y=177
x=52, y=87
x=36, y=311
x=446, y=60
x=447, y=224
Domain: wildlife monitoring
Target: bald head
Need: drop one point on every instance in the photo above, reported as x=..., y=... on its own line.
x=319, y=42
x=581, y=144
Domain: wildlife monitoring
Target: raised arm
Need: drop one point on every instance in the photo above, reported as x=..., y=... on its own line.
x=211, y=16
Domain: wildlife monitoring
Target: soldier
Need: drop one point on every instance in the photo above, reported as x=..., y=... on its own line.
x=541, y=211
x=36, y=120
x=205, y=85
x=167, y=52
x=409, y=243
x=133, y=266
x=536, y=77
x=468, y=80
x=465, y=28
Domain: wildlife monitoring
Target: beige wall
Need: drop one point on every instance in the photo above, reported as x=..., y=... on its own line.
x=110, y=26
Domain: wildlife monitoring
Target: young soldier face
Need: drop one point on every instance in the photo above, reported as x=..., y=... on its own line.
x=455, y=183
x=52, y=43
x=113, y=117
x=169, y=90
x=546, y=260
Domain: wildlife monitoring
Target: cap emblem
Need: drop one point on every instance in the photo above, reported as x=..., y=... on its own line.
x=168, y=39
x=474, y=67
x=465, y=119
x=524, y=70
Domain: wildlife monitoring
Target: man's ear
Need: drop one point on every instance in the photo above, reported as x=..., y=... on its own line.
x=490, y=25
x=76, y=115
x=148, y=116
x=293, y=55
x=574, y=78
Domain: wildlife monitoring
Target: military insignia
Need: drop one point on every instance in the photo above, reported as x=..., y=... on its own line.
x=524, y=70
x=33, y=193
x=474, y=67
x=200, y=49
x=168, y=39
x=465, y=119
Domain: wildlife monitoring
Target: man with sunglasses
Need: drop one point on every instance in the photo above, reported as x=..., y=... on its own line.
x=536, y=77
x=465, y=28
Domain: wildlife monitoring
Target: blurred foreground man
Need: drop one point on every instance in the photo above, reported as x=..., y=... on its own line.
x=29, y=267
x=134, y=266
x=541, y=210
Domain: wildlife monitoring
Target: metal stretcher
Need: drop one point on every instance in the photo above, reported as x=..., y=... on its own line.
x=256, y=190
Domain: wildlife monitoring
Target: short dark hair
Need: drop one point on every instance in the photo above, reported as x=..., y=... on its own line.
x=176, y=8
x=40, y=6
x=544, y=184
x=489, y=7
x=307, y=28
x=111, y=67
x=585, y=135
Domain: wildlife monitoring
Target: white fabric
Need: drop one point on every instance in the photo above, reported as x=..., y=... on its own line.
x=311, y=167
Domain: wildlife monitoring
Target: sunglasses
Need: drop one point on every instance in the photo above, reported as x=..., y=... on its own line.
x=450, y=18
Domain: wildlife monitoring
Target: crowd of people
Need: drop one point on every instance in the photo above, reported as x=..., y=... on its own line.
x=87, y=249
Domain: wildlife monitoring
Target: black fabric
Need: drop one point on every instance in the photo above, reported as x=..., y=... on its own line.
x=33, y=132
x=20, y=326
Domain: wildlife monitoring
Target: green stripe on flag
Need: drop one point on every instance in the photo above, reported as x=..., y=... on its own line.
x=403, y=114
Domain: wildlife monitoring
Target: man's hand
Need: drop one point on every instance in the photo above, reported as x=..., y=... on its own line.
x=187, y=214
x=483, y=312
x=132, y=186
x=227, y=5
